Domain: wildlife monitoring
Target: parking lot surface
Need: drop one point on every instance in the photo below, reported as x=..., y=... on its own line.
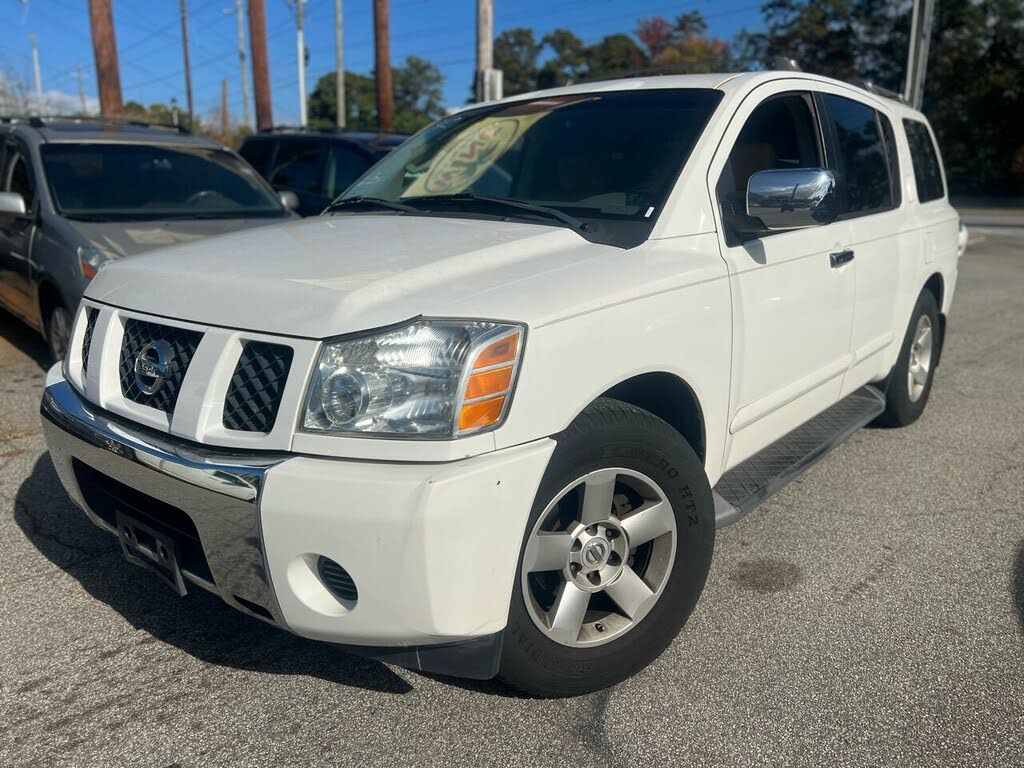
x=872, y=613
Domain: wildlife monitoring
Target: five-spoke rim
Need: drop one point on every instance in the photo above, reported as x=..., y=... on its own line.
x=599, y=557
x=920, y=359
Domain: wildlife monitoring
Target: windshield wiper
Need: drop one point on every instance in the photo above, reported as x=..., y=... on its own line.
x=371, y=202
x=541, y=210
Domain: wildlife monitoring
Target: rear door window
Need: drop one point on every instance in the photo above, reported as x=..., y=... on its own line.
x=927, y=174
x=861, y=163
x=299, y=166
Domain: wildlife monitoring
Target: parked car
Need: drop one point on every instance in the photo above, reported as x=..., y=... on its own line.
x=486, y=414
x=316, y=164
x=78, y=193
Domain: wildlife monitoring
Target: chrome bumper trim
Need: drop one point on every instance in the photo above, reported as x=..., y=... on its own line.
x=218, y=489
x=222, y=471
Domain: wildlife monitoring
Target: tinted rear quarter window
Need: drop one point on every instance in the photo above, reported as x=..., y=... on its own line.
x=862, y=165
x=927, y=174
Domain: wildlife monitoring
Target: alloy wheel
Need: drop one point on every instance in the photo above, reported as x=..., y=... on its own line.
x=599, y=557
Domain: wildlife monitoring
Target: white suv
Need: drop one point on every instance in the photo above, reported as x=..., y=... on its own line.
x=485, y=415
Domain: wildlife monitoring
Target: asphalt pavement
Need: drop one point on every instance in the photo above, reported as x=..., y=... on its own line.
x=870, y=614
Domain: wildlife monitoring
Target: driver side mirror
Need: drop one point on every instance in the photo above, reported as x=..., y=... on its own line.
x=12, y=205
x=792, y=199
x=288, y=199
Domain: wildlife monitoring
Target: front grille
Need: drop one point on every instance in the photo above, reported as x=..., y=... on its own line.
x=90, y=325
x=254, y=394
x=138, y=334
x=105, y=496
x=337, y=579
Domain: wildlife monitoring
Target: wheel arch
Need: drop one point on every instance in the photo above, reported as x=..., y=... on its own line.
x=48, y=295
x=671, y=399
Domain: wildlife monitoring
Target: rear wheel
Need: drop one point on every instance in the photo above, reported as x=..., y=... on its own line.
x=910, y=383
x=615, y=555
x=58, y=331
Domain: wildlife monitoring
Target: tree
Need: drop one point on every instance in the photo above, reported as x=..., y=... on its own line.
x=417, y=89
x=515, y=53
x=569, y=61
x=418, y=94
x=683, y=47
x=615, y=56
x=974, y=90
x=819, y=35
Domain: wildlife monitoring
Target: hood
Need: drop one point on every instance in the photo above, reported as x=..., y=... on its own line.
x=331, y=275
x=127, y=238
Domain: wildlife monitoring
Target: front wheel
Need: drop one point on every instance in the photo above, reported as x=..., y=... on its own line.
x=616, y=553
x=58, y=332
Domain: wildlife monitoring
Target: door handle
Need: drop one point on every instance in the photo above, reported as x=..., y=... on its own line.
x=839, y=258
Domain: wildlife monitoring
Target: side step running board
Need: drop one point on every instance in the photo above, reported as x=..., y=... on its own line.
x=746, y=485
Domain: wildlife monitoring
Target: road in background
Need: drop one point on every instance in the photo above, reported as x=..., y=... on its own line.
x=868, y=614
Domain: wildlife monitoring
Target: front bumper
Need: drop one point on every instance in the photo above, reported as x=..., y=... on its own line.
x=432, y=548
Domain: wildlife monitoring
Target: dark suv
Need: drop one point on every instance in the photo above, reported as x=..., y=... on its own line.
x=76, y=193
x=316, y=164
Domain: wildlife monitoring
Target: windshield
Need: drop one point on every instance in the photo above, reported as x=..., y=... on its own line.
x=137, y=181
x=608, y=160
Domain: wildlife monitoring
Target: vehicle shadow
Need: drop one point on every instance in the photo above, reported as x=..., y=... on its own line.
x=200, y=624
x=24, y=339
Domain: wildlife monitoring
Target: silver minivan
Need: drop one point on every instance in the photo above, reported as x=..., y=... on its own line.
x=76, y=193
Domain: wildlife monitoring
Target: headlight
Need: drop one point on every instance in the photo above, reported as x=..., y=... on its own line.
x=429, y=378
x=92, y=259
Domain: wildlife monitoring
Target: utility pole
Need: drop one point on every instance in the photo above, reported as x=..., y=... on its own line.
x=488, y=79
x=188, y=67
x=243, y=69
x=917, y=55
x=104, y=46
x=35, y=67
x=339, y=88
x=382, y=66
x=260, y=78
x=224, y=123
x=300, y=47
x=81, y=88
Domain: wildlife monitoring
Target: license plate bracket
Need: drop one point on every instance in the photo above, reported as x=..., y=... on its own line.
x=152, y=549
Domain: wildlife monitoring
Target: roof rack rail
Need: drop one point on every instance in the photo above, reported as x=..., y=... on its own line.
x=40, y=122
x=786, y=64
x=878, y=90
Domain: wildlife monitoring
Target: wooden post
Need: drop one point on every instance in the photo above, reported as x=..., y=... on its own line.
x=260, y=76
x=225, y=126
x=104, y=48
x=188, y=68
x=382, y=66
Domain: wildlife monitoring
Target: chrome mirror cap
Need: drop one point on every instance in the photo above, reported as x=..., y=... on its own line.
x=792, y=199
x=11, y=204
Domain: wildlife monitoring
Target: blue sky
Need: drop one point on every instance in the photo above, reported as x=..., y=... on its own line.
x=443, y=31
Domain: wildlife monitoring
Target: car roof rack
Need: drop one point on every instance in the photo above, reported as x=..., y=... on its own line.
x=41, y=122
x=878, y=90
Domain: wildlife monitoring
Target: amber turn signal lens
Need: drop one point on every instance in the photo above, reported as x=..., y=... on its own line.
x=501, y=351
x=492, y=382
x=481, y=414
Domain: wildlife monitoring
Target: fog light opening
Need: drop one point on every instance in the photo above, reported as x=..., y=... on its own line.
x=337, y=580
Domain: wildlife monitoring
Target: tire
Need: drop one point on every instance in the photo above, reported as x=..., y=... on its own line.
x=636, y=456
x=57, y=331
x=905, y=401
